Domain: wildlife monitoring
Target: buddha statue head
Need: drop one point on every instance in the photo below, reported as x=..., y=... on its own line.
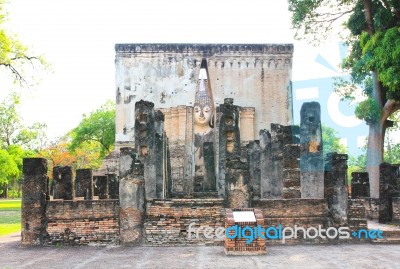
x=203, y=106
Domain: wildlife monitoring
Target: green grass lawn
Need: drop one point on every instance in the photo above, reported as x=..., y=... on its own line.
x=10, y=216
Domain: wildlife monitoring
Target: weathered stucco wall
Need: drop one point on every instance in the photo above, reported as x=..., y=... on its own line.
x=255, y=75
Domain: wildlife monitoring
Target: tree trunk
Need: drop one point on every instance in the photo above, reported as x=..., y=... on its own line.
x=5, y=191
x=375, y=155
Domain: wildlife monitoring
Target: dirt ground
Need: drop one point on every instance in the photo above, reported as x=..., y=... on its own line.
x=304, y=256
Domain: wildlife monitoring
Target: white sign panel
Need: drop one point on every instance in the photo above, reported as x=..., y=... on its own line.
x=244, y=216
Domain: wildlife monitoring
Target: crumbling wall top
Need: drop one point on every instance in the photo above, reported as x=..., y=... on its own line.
x=206, y=49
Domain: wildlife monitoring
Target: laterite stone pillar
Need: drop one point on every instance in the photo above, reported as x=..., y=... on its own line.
x=131, y=197
x=84, y=183
x=63, y=183
x=34, y=192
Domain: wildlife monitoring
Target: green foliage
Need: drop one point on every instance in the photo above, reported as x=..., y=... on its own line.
x=16, y=140
x=98, y=128
x=392, y=154
x=381, y=52
x=392, y=149
x=356, y=164
x=331, y=143
x=373, y=61
x=313, y=19
x=13, y=54
x=11, y=160
x=10, y=121
x=377, y=51
x=16, y=143
x=8, y=167
x=368, y=110
x=12, y=129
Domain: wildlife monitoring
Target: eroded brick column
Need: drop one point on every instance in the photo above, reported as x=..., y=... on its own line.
x=291, y=172
x=161, y=153
x=254, y=157
x=359, y=185
x=34, y=188
x=311, y=153
x=265, y=163
x=228, y=139
x=132, y=197
x=336, y=186
x=237, y=184
x=145, y=144
x=63, y=183
x=84, y=183
x=272, y=162
x=388, y=178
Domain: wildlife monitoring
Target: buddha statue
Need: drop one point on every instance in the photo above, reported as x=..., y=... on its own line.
x=203, y=127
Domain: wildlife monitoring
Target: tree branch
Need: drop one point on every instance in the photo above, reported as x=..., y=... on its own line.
x=331, y=20
x=391, y=9
x=389, y=108
x=369, y=17
x=17, y=75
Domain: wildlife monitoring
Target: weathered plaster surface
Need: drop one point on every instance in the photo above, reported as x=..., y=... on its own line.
x=255, y=75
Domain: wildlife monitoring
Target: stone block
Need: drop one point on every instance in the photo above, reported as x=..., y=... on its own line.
x=84, y=183
x=33, y=207
x=63, y=183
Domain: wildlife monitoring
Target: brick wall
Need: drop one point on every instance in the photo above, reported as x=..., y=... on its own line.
x=356, y=214
x=167, y=221
x=396, y=209
x=82, y=222
x=371, y=208
x=288, y=212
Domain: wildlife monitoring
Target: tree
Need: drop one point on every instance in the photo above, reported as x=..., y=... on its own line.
x=58, y=154
x=8, y=169
x=392, y=149
x=10, y=121
x=16, y=143
x=331, y=143
x=11, y=168
x=373, y=62
x=98, y=127
x=12, y=129
x=13, y=54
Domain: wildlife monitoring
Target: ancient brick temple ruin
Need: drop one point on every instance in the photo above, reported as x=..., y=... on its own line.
x=201, y=130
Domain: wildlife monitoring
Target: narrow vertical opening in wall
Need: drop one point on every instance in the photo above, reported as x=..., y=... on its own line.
x=203, y=63
x=230, y=141
x=230, y=135
x=229, y=120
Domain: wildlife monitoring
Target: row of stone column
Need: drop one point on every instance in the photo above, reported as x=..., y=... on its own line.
x=389, y=187
x=85, y=185
x=286, y=163
x=151, y=146
x=35, y=193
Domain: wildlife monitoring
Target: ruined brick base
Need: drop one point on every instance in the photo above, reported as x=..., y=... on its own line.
x=83, y=222
x=167, y=221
